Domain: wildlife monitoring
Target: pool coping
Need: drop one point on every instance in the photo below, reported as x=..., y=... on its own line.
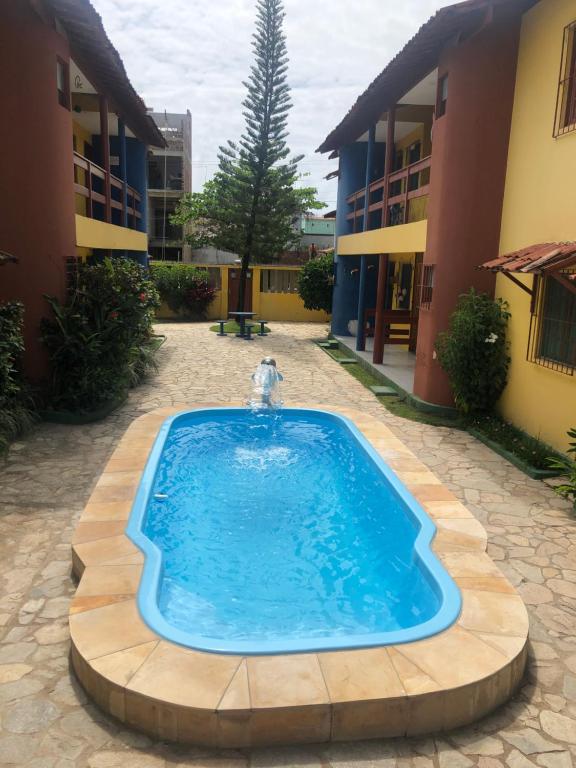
x=175, y=693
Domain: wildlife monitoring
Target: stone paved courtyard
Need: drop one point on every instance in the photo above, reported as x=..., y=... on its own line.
x=46, y=720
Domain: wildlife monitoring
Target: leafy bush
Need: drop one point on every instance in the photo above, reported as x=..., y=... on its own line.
x=184, y=288
x=316, y=282
x=567, y=466
x=100, y=340
x=15, y=404
x=474, y=352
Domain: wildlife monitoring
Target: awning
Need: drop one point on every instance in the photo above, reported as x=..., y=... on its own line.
x=551, y=259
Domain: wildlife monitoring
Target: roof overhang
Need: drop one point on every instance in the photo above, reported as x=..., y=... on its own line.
x=546, y=259
x=92, y=50
x=416, y=60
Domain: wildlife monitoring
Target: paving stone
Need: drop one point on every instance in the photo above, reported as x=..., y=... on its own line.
x=49, y=475
x=517, y=760
x=16, y=749
x=555, y=760
x=529, y=741
x=11, y=672
x=29, y=716
x=559, y=726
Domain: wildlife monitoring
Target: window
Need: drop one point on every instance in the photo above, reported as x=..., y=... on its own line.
x=427, y=287
x=565, y=118
x=63, y=83
x=552, y=339
x=279, y=281
x=214, y=278
x=442, y=96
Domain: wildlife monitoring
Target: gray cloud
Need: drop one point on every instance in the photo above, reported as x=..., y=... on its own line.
x=187, y=54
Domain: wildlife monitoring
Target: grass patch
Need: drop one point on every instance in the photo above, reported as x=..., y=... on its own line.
x=396, y=404
x=232, y=327
x=527, y=448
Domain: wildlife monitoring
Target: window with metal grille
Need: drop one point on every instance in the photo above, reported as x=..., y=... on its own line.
x=427, y=286
x=565, y=117
x=279, y=281
x=552, y=337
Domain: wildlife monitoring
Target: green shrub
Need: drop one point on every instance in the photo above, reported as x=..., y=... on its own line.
x=474, y=352
x=100, y=340
x=316, y=282
x=184, y=288
x=567, y=466
x=16, y=412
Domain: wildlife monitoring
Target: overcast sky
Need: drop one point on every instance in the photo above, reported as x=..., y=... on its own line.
x=187, y=54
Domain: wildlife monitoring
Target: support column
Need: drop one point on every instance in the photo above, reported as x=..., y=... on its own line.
x=361, y=334
x=378, y=354
x=105, y=142
x=123, y=170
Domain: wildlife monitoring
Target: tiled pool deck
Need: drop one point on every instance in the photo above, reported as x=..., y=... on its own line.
x=179, y=694
x=46, y=719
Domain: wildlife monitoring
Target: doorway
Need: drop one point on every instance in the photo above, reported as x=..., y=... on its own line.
x=234, y=288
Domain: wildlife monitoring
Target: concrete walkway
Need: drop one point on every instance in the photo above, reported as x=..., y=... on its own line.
x=46, y=721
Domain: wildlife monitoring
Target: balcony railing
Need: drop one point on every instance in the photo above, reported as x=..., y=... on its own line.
x=90, y=182
x=393, y=206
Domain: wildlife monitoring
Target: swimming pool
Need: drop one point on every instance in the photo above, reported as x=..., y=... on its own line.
x=282, y=533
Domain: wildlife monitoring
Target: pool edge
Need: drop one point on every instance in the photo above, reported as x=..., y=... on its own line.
x=234, y=701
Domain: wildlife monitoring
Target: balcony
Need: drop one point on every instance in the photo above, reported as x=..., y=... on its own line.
x=400, y=198
x=105, y=194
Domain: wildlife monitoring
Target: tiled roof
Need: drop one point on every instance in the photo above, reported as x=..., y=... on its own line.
x=417, y=59
x=536, y=259
x=100, y=61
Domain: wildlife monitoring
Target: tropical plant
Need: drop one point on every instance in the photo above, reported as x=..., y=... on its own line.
x=474, y=352
x=184, y=288
x=100, y=339
x=567, y=466
x=316, y=282
x=16, y=407
x=250, y=205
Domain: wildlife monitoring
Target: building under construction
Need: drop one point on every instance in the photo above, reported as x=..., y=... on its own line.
x=169, y=177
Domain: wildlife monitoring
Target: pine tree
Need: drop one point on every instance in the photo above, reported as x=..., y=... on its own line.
x=250, y=204
x=260, y=182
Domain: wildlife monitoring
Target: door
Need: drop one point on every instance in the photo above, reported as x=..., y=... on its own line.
x=416, y=290
x=234, y=287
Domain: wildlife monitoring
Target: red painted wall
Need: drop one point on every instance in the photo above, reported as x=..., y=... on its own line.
x=469, y=155
x=36, y=173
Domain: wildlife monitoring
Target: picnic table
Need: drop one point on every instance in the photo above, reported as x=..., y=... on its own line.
x=241, y=318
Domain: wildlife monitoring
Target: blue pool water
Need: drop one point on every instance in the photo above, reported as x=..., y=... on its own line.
x=274, y=533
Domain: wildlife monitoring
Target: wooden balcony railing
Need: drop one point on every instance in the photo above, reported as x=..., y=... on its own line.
x=90, y=182
x=394, y=208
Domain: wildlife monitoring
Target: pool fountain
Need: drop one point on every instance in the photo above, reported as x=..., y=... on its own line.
x=265, y=386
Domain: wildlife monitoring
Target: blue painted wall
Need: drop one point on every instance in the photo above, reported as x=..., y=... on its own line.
x=352, y=177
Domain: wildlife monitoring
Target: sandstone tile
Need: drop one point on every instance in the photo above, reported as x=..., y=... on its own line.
x=207, y=676
x=286, y=681
x=106, y=630
x=360, y=675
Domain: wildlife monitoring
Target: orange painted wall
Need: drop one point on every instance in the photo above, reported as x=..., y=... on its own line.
x=469, y=150
x=36, y=178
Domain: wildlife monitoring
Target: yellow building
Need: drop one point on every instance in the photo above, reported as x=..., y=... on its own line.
x=273, y=294
x=540, y=208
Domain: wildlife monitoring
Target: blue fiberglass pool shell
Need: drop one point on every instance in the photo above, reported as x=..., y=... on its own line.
x=282, y=533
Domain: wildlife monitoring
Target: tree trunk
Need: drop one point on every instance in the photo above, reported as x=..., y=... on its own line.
x=247, y=252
